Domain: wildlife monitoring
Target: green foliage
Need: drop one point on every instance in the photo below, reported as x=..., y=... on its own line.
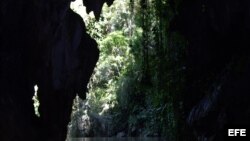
x=115, y=57
x=139, y=74
x=36, y=102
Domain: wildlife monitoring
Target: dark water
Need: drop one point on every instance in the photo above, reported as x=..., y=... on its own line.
x=117, y=139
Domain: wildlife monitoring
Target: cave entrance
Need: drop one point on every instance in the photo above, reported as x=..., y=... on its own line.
x=126, y=92
x=113, y=33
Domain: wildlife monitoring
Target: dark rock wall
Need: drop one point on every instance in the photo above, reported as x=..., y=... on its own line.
x=96, y=6
x=217, y=86
x=42, y=42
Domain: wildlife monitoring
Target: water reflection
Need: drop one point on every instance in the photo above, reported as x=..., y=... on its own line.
x=117, y=139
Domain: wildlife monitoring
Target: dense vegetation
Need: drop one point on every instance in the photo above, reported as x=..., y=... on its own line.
x=139, y=78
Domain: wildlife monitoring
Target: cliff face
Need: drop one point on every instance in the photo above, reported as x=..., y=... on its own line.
x=218, y=64
x=42, y=42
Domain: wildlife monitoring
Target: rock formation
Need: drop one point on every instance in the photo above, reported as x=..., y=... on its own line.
x=218, y=64
x=42, y=43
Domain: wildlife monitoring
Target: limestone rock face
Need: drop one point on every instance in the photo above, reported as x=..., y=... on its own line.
x=43, y=43
x=96, y=6
x=218, y=64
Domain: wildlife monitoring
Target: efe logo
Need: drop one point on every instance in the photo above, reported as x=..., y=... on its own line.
x=237, y=132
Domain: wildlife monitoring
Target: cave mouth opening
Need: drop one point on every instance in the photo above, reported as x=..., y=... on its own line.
x=36, y=102
x=130, y=84
x=115, y=32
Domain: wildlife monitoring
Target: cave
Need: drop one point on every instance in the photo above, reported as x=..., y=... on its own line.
x=43, y=43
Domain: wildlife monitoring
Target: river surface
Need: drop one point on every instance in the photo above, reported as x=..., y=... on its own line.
x=117, y=139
